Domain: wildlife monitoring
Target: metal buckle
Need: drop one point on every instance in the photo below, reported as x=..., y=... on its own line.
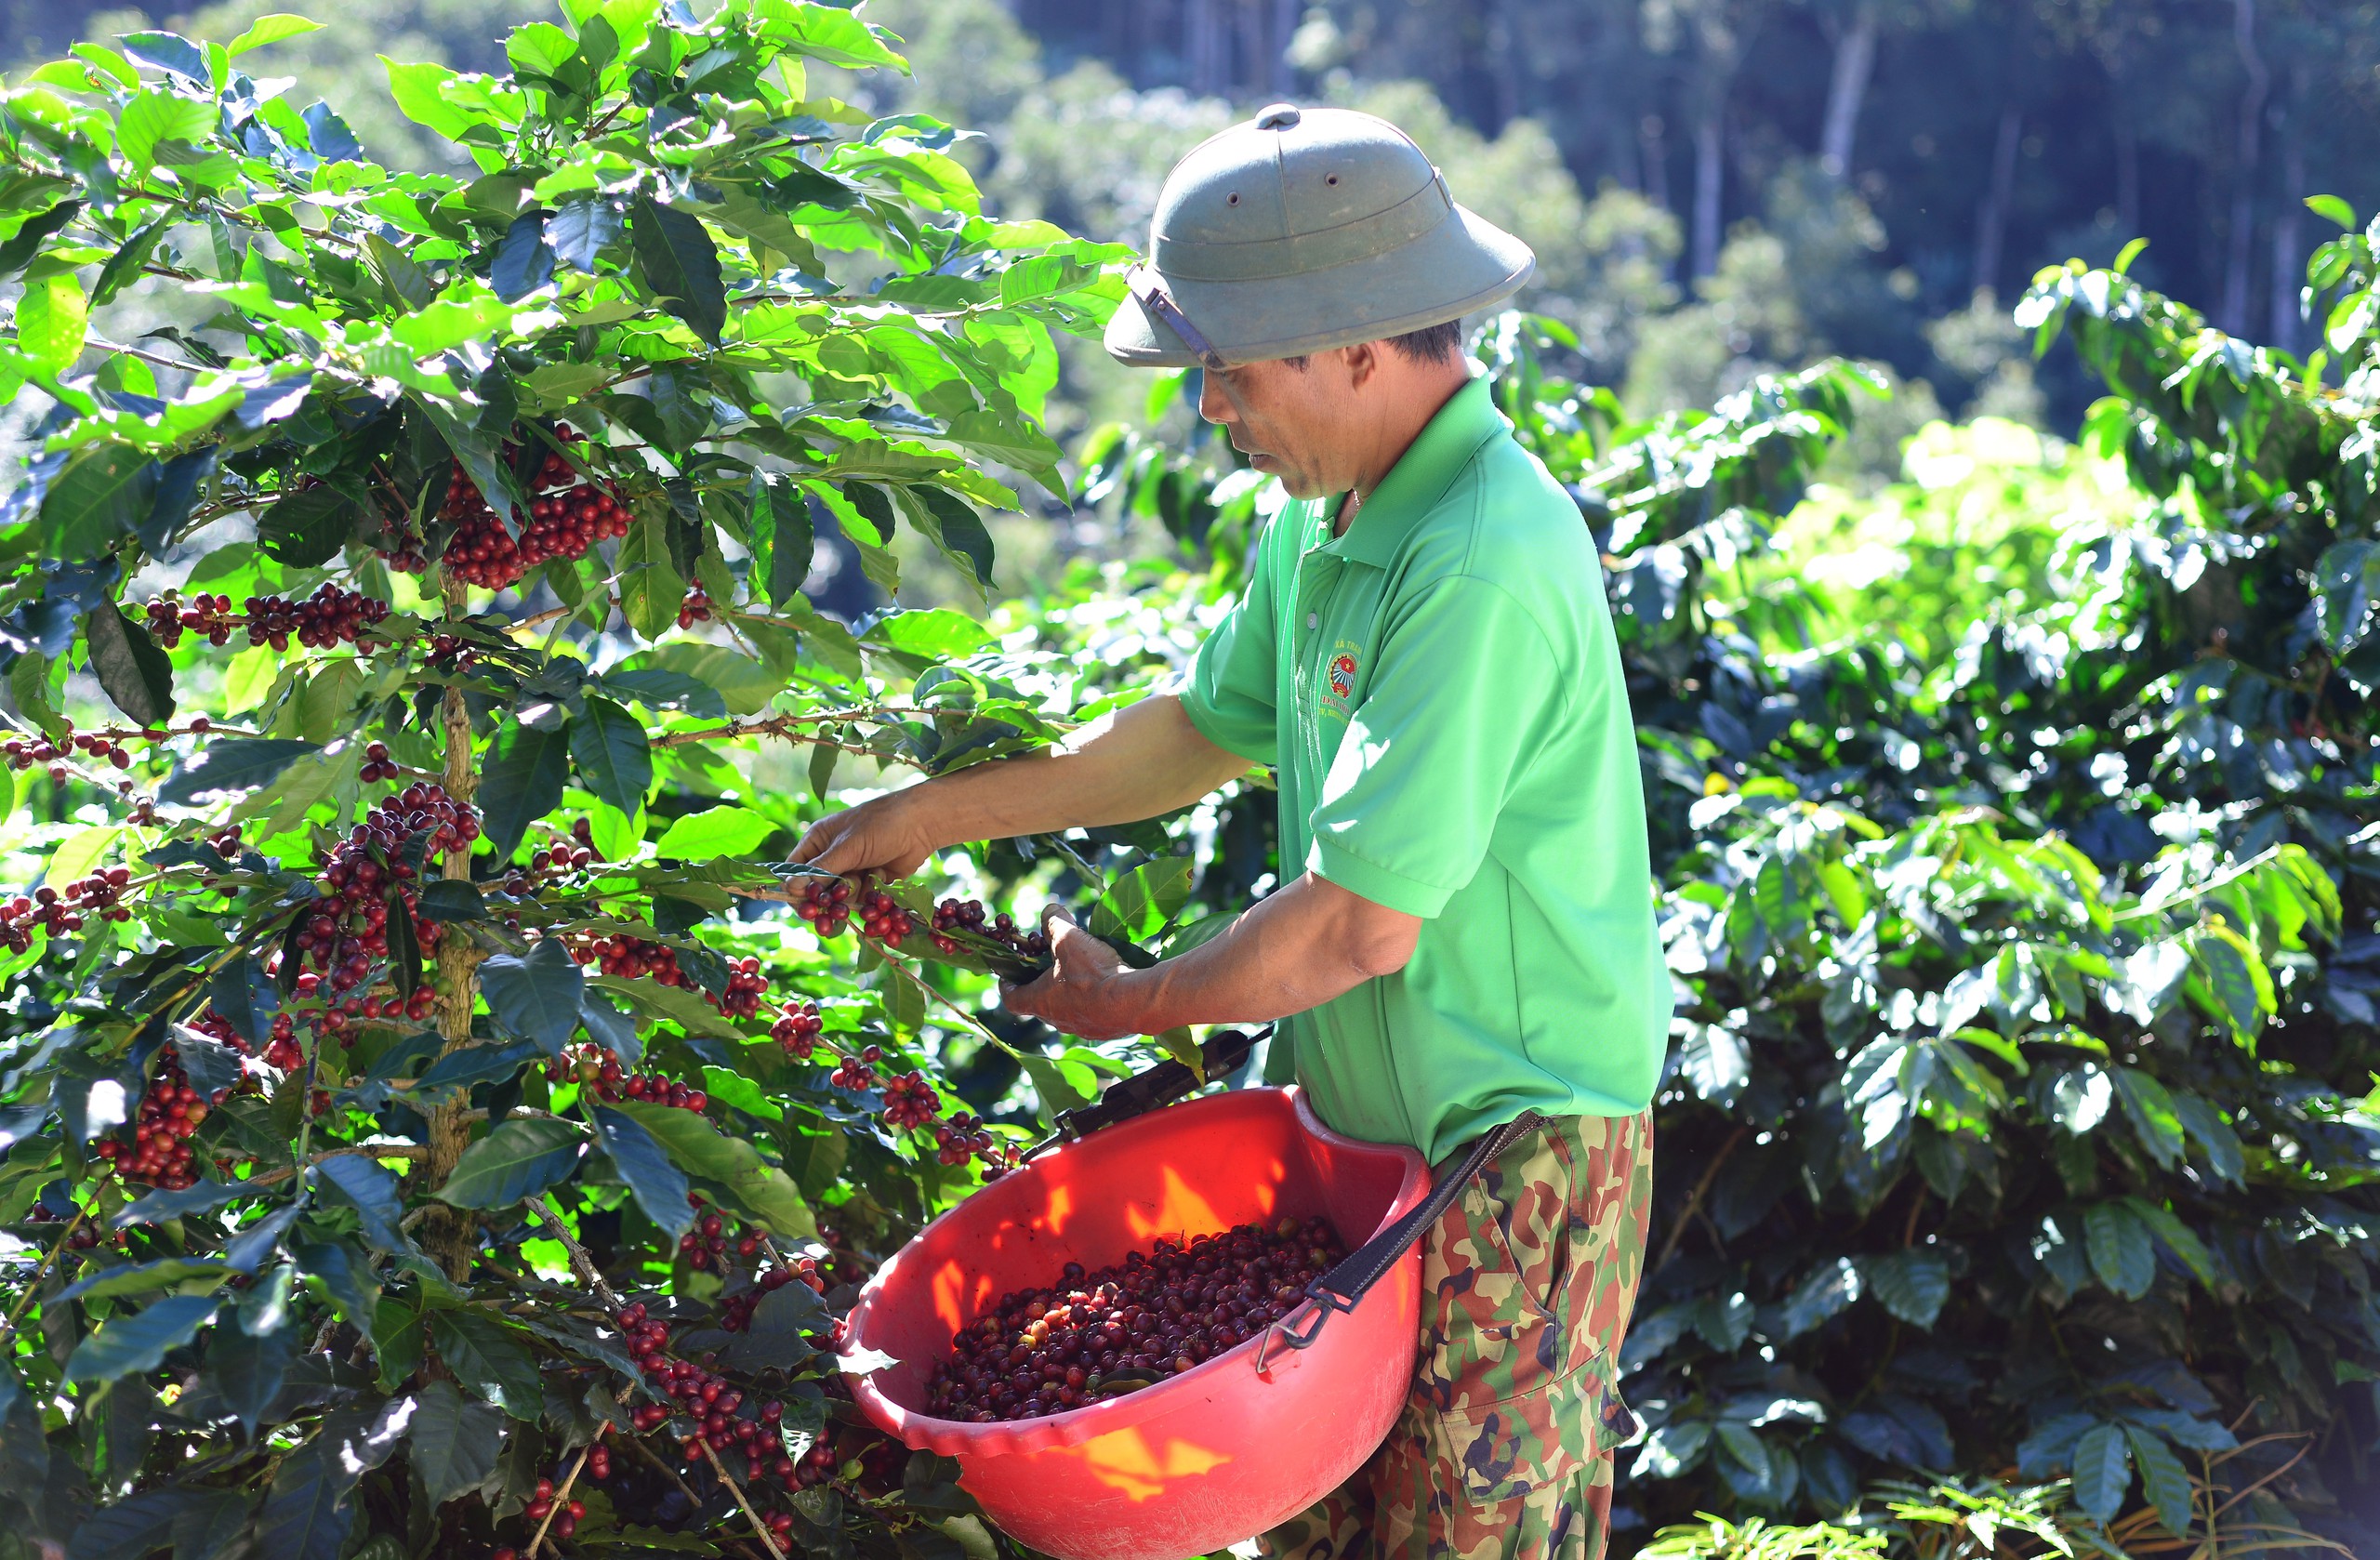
x=1288, y=1334
x=1150, y=292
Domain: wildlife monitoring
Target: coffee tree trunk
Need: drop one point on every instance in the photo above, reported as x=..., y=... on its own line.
x=454, y=1231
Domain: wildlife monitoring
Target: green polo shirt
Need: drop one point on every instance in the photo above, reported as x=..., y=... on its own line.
x=1440, y=693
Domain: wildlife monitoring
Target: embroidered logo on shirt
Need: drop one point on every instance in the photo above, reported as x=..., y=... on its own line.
x=1343, y=676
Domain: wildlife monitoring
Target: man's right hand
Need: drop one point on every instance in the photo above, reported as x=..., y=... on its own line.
x=882, y=837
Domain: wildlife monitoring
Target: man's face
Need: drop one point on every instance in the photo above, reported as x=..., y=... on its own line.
x=1291, y=422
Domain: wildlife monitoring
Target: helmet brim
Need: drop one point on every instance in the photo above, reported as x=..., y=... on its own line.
x=1465, y=265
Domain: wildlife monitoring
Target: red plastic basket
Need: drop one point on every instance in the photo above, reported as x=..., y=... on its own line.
x=1201, y=1460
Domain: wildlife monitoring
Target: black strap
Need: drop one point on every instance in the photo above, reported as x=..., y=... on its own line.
x=1226, y=1051
x=1149, y=291
x=1353, y=1277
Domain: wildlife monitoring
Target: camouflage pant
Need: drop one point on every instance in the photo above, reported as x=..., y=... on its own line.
x=1505, y=1450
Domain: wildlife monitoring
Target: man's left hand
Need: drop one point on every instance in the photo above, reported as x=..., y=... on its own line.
x=1085, y=991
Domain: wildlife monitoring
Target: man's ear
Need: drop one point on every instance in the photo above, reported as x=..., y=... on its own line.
x=1362, y=363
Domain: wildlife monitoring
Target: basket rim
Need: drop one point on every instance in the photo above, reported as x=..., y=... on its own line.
x=924, y=1432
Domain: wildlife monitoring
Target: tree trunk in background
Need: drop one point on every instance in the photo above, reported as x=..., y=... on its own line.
x=1285, y=27
x=1855, y=61
x=1992, y=220
x=2127, y=178
x=2288, y=257
x=1709, y=170
x=2234, y=318
x=1206, y=47
x=1655, y=154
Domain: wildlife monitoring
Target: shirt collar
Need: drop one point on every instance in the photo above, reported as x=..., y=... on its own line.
x=1420, y=477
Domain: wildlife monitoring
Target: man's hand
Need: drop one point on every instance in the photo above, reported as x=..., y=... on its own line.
x=882, y=836
x=1084, y=992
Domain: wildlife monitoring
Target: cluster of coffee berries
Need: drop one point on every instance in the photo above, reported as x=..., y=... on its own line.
x=101, y=747
x=566, y=517
x=170, y=615
x=378, y=765
x=61, y=911
x=1094, y=1335
x=281, y=1046
x=565, y=1520
x=746, y=986
x=797, y=1030
x=715, y=1409
x=909, y=1101
x=694, y=609
x=347, y=930
x=158, y=1150
x=857, y=1072
x=827, y=906
x=706, y=1244
x=599, y=1072
x=330, y=616
x=882, y=919
x=735, y=1309
x=630, y=958
x=968, y=916
x=964, y=1137
x=451, y=654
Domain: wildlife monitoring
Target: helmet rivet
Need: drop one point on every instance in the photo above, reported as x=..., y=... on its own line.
x=1235, y=199
x=1332, y=180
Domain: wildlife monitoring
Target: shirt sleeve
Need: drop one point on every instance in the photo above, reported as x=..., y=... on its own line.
x=1234, y=683
x=1464, y=689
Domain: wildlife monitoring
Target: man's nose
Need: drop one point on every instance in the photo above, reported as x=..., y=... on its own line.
x=1213, y=403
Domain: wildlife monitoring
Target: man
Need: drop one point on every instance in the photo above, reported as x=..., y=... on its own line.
x=1424, y=656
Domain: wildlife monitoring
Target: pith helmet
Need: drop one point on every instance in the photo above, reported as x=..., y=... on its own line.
x=1300, y=231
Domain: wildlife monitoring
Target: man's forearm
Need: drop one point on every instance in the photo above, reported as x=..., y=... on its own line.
x=1145, y=760
x=1298, y=949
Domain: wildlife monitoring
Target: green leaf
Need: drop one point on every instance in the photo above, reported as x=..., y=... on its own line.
x=651, y=589
x=523, y=261
x=519, y=1159
x=306, y=1517
x=135, y=1526
x=243, y=994
x=2332, y=208
x=679, y=262
x=25, y=243
x=136, y=1342
x=672, y=1004
x=873, y=505
x=2117, y=1240
x=827, y=33
x=230, y=764
x=535, y=996
x=372, y=1192
x=521, y=782
x=782, y=540
x=1911, y=1285
x=757, y=1188
x=2102, y=1471
x=137, y=676
x=306, y=529
x=1829, y=1288
x=454, y=1441
x=1142, y=900
x=658, y=1185
x=97, y=500
x=721, y=832
x=272, y=28
x=614, y=759
x=416, y=89
x=2162, y=1477
x=581, y=228
x=2151, y=1110
x=488, y=1358
x=955, y=527
x=155, y=116
x=745, y=684
x=51, y=317
x=248, y=1370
